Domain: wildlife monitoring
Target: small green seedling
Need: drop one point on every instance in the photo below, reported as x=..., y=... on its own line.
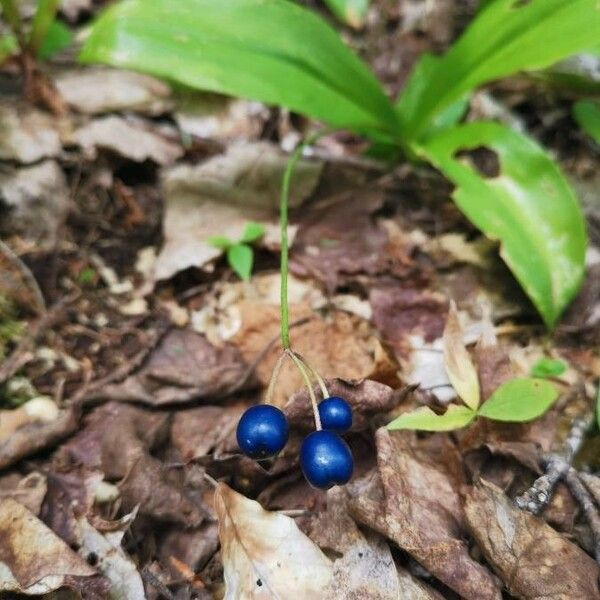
x=240, y=254
x=548, y=367
x=46, y=35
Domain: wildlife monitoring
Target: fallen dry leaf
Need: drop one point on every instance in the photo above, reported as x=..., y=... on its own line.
x=459, y=366
x=28, y=491
x=219, y=196
x=28, y=135
x=264, y=553
x=366, y=397
x=36, y=200
x=36, y=436
x=414, y=501
x=97, y=90
x=534, y=561
x=118, y=568
x=183, y=367
x=132, y=139
x=33, y=559
x=339, y=237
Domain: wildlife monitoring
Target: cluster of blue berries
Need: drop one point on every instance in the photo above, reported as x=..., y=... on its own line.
x=325, y=458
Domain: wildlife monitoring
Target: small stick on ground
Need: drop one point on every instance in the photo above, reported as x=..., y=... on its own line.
x=556, y=465
x=586, y=502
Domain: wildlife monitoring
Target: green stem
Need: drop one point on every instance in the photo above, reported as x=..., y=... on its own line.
x=308, y=382
x=315, y=374
x=274, y=377
x=283, y=223
x=44, y=17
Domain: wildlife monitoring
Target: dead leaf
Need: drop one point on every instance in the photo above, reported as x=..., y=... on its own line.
x=533, y=560
x=366, y=568
x=132, y=139
x=183, y=367
x=36, y=436
x=340, y=346
x=414, y=501
x=113, y=563
x=493, y=365
x=97, y=90
x=459, y=366
x=264, y=554
x=28, y=491
x=366, y=397
x=33, y=560
x=218, y=197
x=35, y=201
x=339, y=237
x=27, y=135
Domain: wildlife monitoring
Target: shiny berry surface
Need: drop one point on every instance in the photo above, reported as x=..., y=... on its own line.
x=262, y=431
x=336, y=414
x=326, y=460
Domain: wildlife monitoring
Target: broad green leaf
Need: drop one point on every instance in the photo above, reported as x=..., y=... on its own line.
x=269, y=50
x=252, y=232
x=528, y=207
x=458, y=363
x=587, y=115
x=548, y=367
x=506, y=37
x=241, y=258
x=58, y=37
x=424, y=419
x=519, y=400
x=351, y=12
x=220, y=241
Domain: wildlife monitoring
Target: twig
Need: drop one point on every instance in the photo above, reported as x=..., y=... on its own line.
x=586, y=502
x=556, y=467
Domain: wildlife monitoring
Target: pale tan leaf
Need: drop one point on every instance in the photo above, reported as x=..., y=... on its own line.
x=265, y=555
x=460, y=369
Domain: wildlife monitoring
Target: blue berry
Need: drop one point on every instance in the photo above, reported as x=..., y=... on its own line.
x=262, y=431
x=326, y=460
x=336, y=414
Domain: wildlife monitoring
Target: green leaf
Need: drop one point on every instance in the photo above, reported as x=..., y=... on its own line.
x=587, y=115
x=252, y=232
x=506, y=37
x=519, y=400
x=241, y=258
x=351, y=12
x=58, y=38
x=269, y=50
x=220, y=241
x=529, y=207
x=424, y=419
x=42, y=21
x=548, y=367
x=8, y=47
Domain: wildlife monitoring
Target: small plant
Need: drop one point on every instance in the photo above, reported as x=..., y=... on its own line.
x=45, y=37
x=240, y=254
x=280, y=53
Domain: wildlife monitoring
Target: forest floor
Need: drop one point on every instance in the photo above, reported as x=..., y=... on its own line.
x=129, y=349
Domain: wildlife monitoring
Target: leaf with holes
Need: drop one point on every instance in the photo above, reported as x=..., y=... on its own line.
x=264, y=553
x=506, y=37
x=424, y=419
x=269, y=50
x=527, y=206
x=587, y=115
x=519, y=400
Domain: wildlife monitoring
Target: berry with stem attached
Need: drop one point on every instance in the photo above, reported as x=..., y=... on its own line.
x=336, y=414
x=262, y=431
x=326, y=460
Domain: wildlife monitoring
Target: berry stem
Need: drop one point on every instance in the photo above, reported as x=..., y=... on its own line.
x=315, y=374
x=307, y=381
x=274, y=377
x=283, y=224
